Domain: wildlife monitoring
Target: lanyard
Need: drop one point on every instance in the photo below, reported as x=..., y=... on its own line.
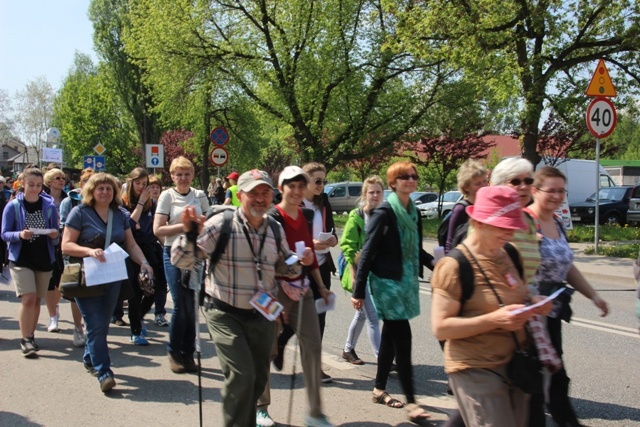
x=256, y=259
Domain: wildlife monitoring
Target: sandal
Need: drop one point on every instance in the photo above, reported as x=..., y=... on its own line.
x=386, y=399
x=416, y=414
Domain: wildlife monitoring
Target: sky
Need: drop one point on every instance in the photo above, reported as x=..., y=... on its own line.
x=39, y=38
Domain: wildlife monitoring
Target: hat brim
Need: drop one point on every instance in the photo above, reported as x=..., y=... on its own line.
x=507, y=222
x=253, y=185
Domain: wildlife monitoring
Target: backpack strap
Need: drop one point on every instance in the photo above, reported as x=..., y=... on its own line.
x=276, y=232
x=223, y=239
x=466, y=274
x=514, y=254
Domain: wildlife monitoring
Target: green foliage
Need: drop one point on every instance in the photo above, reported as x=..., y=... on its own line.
x=315, y=70
x=535, y=51
x=88, y=112
x=619, y=251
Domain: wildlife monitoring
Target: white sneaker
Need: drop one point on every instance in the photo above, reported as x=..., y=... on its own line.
x=53, y=324
x=320, y=421
x=263, y=419
x=79, y=339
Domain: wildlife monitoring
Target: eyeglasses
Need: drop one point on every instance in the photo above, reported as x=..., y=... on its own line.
x=408, y=177
x=554, y=191
x=59, y=178
x=517, y=181
x=320, y=182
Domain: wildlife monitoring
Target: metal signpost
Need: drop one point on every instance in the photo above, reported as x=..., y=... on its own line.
x=601, y=120
x=218, y=155
x=154, y=155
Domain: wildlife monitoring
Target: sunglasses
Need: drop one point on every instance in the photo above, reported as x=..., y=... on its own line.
x=59, y=178
x=408, y=177
x=517, y=181
x=320, y=182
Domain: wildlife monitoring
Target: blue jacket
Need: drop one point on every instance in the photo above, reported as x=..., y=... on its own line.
x=12, y=226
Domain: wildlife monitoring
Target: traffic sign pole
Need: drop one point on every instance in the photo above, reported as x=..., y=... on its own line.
x=597, y=224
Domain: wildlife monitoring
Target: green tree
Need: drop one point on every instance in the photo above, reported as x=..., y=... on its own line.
x=87, y=112
x=316, y=70
x=536, y=50
x=110, y=20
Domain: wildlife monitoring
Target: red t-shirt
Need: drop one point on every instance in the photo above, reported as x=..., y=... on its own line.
x=297, y=230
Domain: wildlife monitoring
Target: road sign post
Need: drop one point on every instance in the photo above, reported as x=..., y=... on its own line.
x=601, y=120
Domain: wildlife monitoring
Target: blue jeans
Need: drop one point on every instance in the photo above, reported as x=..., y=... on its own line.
x=369, y=314
x=96, y=312
x=182, y=330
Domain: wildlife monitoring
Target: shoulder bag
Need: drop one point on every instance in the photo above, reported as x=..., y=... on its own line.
x=72, y=283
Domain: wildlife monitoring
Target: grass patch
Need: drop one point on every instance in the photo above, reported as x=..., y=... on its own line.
x=625, y=250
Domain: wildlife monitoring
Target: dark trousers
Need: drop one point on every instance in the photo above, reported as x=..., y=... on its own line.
x=559, y=403
x=325, y=273
x=395, y=343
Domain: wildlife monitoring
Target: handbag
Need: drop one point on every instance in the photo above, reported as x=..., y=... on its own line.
x=524, y=370
x=72, y=282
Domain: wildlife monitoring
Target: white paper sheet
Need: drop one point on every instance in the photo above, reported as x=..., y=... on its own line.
x=42, y=231
x=539, y=303
x=113, y=270
x=323, y=237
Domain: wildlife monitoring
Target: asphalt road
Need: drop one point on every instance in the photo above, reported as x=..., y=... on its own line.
x=601, y=355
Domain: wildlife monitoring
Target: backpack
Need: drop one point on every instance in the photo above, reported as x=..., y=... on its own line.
x=443, y=228
x=227, y=212
x=466, y=271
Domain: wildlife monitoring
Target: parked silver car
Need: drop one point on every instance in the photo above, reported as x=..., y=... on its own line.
x=343, y=196
x=449, y=199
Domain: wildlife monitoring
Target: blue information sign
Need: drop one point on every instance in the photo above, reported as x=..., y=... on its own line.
x=97, y=163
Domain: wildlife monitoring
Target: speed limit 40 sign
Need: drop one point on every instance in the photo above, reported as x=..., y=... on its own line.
x=601, y=117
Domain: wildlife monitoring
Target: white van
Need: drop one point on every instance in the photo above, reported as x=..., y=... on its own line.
x=581, y=178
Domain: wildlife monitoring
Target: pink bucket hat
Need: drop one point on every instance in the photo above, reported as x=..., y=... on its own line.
x=499, y=206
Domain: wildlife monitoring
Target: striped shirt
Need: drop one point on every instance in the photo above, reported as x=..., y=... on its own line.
x=235, y=278
x=526, y=241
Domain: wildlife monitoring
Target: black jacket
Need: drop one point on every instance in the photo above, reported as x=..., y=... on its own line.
x=382, y=252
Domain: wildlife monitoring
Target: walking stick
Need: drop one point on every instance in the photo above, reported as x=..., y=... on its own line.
x=295, y=355
x=196, y=301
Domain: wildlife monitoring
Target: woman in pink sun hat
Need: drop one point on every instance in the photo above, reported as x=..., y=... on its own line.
x=481, y=334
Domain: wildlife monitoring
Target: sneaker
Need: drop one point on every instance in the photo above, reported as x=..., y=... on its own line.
x=352, y=357
x=160, y=320
x=278, y=362
x=28, y=348
x=138, y=340
x=107, y=383
x=90, y=369
x=120, y=322
x=33, y=341
x=263, y=419
x=176, y=365
x=189, y=364
x=325, y=378
x=79, y=338
x=320, y=421
x=53, y=324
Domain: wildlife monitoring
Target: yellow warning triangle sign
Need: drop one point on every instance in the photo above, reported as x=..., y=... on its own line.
x=601, y=84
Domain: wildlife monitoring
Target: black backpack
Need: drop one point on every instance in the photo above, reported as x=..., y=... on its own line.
x=443, y=228
x=466, y=271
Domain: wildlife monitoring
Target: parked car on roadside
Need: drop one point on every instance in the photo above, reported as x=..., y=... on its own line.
x=449, y=199
x=614, y=204
x=633, y=214
x=343, y=196
x=420, y=197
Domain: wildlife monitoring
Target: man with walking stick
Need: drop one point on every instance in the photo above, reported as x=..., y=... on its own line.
x=241, y=289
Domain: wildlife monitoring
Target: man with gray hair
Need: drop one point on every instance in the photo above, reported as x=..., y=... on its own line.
x=239, y=287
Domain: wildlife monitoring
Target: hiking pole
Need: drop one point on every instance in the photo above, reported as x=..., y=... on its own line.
x=295, y=355
x=197, y=273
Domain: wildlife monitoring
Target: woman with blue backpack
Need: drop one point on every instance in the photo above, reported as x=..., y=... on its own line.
x=350, y=244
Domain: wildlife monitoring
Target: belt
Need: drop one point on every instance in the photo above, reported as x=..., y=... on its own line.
x=211, y=303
